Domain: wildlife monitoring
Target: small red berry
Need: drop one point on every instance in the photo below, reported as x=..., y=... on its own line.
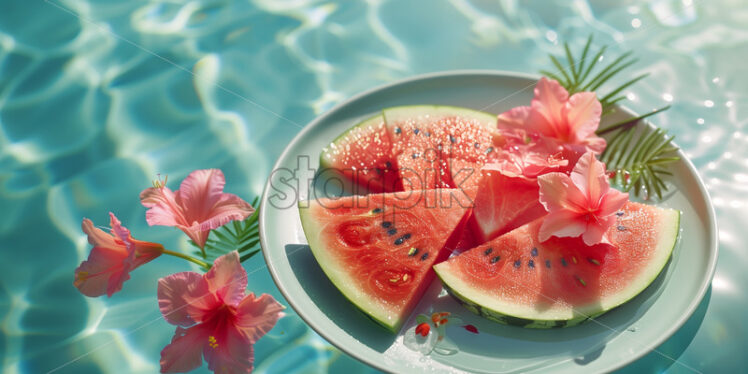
x=423, y=329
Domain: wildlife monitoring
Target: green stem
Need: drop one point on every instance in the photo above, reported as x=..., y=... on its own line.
x=188, y=258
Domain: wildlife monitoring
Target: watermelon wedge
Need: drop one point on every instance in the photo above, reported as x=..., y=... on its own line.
x=425, y=137
x=378, y=249
x=363, y=155
x=514, y=279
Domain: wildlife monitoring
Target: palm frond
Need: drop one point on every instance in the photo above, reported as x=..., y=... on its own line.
x=242, y=236
x=638, y=156
x=578, y=76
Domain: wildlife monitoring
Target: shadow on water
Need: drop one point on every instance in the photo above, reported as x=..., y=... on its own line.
x=666, y=355
x=332, y=303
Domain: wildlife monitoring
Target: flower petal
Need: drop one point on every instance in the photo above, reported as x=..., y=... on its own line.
x=613, y=201
x=595, y=232
x=513, y=118
x=107, y=266
x=561, y=223
x=589, y=176
x=257, y=316
x=231, y=354
x=96, y=236
x=175, y=294
x=164, y=209
x=184, y=353
x=549, y=100
x=103, y=272
x=199, y=192
x=228, y=208
x=558, y=192
x=582, y=113
x=227, y=278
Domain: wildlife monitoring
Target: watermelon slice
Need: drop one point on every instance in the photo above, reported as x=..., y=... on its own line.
x=424, y=139
x=362, y=154
x=378, y=249
x=515, y=279
x=508, y=193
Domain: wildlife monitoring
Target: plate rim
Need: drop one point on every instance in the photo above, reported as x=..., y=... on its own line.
x=712, y=233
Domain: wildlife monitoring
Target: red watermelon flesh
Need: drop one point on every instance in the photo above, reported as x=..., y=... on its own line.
x=363, y=155
x=562, y=279
x=378, y=249
x=425, y=138
x=508, y=191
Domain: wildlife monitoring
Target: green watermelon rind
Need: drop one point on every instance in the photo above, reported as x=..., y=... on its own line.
x=670, y=228
x=339, y=278
x=408, y=111
x=324, y=164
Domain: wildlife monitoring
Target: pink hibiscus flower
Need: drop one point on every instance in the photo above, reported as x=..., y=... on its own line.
x=580, y=204
x=570, y=120
x=112, y=258
x=197, y=207
x=214, y=318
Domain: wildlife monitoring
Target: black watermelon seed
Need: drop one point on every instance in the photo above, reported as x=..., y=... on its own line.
x=489, y=150
x=488, y=251
x=477, y=145
x=379, y=171
x=495, y=259
x=425, y=256
x=452, y=139
x=593, y=261
x=416, y=131
x=531, y=264
x=415, y=155
x=534, y=252
x=548, y=264
x=563, y=262
x=388, y=165
x=428, y=134
x=386, y=224
x=517, y=264
x=619, y=214
x=401, y=239
x=391, y=232
x=398, y=130
x=376, y=210
x=621, y=228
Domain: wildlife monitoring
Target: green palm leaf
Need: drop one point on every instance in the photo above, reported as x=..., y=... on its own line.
x=639, y=155
x=578, y=76
x=242, y=236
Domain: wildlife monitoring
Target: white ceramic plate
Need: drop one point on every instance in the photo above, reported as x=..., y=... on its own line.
x=604, y=344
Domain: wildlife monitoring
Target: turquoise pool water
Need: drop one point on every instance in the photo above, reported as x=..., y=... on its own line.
x=97, y=97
